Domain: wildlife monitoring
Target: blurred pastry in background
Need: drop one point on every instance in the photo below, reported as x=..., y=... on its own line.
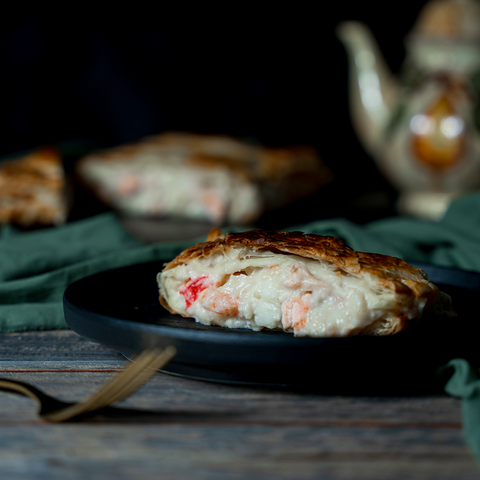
x=213, y=178
x=33, y=189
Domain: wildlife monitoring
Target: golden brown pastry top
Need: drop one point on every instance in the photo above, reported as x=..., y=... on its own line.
x=32, y=188
x=258, y=163
x=388, y=272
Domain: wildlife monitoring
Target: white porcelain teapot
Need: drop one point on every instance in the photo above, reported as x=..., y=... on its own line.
x=423, y=129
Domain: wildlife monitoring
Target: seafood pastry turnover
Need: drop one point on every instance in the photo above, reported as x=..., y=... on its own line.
x=33, y=189
x=210, y=178
x=307, y=284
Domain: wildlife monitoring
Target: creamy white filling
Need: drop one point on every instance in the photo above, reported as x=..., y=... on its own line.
x=167, y=185
x=265, y=290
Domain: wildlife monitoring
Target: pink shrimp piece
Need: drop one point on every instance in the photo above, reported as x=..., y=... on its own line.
x=128, y=185
x=192, y=289
x=294, y=312
x=221, y=303
x=214, y=205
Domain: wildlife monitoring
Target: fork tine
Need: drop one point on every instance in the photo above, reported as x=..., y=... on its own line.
x=149, y=367
x=93, y=402
x=136, y=374
x=134, y=370
x=156, y=363
x=125, y=377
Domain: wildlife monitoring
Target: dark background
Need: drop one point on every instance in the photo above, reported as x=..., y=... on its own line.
x=106, y=74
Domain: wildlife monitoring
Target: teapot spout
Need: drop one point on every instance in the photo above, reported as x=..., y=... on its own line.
x=373, y=90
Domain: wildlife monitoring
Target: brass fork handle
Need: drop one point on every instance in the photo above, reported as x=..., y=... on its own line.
x=24, y=389
x=123, y=385
x=46, y=402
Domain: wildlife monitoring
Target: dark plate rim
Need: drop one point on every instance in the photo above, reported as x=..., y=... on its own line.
x=257, y=358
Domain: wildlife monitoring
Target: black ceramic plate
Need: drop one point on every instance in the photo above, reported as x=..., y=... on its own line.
x=119, y=308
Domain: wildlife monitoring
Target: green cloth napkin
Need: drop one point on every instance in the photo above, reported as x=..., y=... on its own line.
x=465, y=384
x=452, y=242
x=36, y=267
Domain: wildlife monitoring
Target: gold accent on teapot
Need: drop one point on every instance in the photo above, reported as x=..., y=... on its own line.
x=438, y=137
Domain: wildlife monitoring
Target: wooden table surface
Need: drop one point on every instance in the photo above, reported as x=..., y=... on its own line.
x=176, y=427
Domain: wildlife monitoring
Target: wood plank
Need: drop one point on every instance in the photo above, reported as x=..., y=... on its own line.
x=59, y=345
x=62, y=350
x=177, y=451
x=176, y=427
x=175, y=395
x=72, y=379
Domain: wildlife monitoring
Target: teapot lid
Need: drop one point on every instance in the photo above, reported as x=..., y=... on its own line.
x=449, y=20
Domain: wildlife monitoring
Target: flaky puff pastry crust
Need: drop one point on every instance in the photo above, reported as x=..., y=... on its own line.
x=33, y=189
x=390, y=273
